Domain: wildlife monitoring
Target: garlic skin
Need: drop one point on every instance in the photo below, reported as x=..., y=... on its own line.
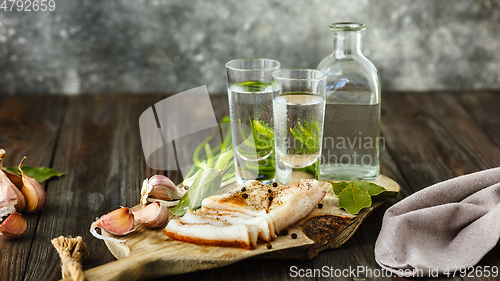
x=11, y=198
x=14, y=178
x=33, y=192
x=153, y=215
x=160, y=187
x=119, y=223
x=13, y=226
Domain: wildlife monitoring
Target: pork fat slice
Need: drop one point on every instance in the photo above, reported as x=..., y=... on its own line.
x=246, y=214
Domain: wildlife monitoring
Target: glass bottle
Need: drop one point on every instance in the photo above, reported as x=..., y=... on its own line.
x=352, y=113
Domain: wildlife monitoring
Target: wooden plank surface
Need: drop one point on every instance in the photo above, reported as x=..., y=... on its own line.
x=430, y=137
x=484, y=107
x=102, y=157
x=433, y=138
x=28, y=127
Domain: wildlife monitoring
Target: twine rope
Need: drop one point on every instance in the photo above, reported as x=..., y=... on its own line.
x=70, y=250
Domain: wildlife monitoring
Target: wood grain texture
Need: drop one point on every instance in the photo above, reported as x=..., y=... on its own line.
x=484, y=107
x=101, y=155
x=28, y=127
x=324, y=228
x=433, y=138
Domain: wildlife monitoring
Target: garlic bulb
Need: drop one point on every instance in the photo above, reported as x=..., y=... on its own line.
x=14, y=226
x=14, y=178
x=160, y=187
x=153, y=215
x=119, y=222
x=33, y=192
x=11, y=198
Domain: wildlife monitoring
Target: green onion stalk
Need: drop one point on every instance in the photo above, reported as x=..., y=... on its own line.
x=221, y=156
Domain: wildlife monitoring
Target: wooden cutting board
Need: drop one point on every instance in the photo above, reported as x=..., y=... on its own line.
x=149, y=253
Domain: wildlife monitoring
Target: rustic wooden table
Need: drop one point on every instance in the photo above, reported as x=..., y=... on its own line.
x=94, y=140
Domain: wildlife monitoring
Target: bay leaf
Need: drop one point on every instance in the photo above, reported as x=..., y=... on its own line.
x=371, y=188
x=376, y=191
x=41, y=174
x=339, y=186
x=353, y=199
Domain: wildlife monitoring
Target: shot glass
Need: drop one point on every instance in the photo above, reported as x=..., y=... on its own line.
x=251, y=111
x=299, y=112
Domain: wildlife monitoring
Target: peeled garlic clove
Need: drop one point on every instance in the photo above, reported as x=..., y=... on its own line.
x=153, y=215
x=33, y=192
x=11, y=198
x=160, y=187
x=13, y=226
x=119, y=223
x=8, y=199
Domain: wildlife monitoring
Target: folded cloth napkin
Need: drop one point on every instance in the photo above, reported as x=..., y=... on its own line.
x=442, y=228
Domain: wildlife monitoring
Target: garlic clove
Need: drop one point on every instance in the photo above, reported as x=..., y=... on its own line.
x=160, y=187
x=13, y=226
x=11, y=198
x=161, y=180
x=119, y=223
x=8, y=198
x=33, y=192
x=152, y=216
x=15, y=179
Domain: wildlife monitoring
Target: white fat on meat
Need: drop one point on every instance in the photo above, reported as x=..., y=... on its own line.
x=208, y=232
x=295, y=202
x=263, y=222
x=247, y=213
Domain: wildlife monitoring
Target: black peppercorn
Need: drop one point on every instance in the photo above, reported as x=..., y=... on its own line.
x=243, y=189
x=284, y=232
x=269, y=246
x=271, y=198
x=294, y=236
x=244, y=195
x=320, y=205
x=275, y=184
x=270, y=191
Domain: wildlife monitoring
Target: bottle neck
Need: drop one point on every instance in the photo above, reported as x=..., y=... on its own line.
x=346, y=43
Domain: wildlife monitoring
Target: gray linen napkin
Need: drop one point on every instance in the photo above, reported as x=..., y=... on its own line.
x=444, y=227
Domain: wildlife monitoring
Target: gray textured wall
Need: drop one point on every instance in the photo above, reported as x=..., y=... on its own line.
x=170, y=46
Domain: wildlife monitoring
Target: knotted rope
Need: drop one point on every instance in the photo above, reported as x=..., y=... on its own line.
x=70, y=250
